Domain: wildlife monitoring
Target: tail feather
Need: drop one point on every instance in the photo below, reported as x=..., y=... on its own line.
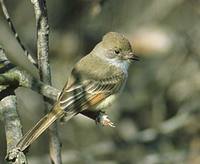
x=38, y=129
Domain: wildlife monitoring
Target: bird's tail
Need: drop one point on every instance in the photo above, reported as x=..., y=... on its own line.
x=38, y=129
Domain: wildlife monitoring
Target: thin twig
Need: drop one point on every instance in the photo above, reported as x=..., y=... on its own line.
x=44, y=69
x=11, y=74
x=5, y=12
x=12, y=129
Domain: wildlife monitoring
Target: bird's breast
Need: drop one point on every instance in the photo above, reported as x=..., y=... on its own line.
x=107, y=102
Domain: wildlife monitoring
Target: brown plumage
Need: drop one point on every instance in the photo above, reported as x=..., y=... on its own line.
x=94, y=83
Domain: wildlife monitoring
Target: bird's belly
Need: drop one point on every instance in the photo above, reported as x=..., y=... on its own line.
x=108, y=101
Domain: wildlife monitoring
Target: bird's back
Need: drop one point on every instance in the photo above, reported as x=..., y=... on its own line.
x=92, y=67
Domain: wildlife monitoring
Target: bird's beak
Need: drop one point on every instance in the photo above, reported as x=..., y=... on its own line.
x=132, y=56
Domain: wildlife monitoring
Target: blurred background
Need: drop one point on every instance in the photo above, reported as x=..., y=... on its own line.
x=157, y=116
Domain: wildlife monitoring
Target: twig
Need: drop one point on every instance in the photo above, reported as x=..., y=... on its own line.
x=11, y=74
x=5, y=12
x=44, y=69
x=12, y=129
x=23, y=79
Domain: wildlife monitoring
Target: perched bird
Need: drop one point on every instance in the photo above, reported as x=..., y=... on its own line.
x=95, y=82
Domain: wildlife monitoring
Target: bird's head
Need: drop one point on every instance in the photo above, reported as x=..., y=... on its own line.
x=115, y=46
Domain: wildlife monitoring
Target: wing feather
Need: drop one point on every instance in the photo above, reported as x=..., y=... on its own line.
x=89, y=93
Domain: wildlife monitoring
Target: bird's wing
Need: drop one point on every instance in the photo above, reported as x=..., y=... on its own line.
x=89, y=93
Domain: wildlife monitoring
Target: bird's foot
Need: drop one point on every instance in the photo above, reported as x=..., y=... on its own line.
x=104, y=120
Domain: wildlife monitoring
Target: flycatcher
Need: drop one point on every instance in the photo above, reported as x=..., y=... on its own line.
x=95, y=82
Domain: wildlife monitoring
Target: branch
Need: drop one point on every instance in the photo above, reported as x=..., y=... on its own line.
x=42, y=40
x=12, y=75
x=12, y=129
x=44, y=69
x=23, y=79
x=5, y=12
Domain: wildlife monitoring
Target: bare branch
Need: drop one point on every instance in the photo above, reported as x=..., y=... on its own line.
x=44, y=69
x=12, y=129
x=23, y=79
x=42, y=40
x=11, y=74
x=5, y=12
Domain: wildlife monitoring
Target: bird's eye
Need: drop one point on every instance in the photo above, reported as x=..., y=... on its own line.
x=117, y=51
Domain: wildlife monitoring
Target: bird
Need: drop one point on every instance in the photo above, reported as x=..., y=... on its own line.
x=94, y=83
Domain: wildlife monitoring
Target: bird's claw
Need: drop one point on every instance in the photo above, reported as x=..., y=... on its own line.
x=104, y=120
